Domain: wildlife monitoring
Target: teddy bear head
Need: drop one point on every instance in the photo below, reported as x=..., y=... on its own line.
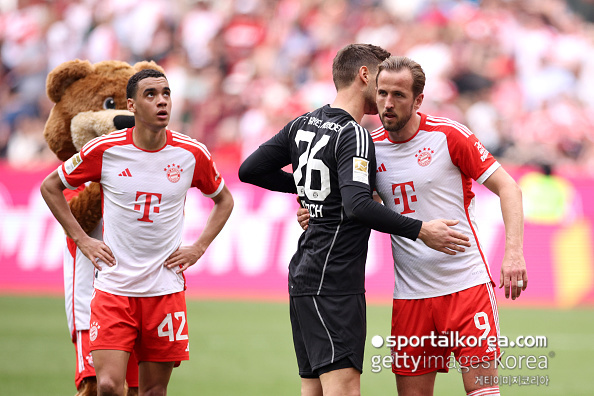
x=89, y=101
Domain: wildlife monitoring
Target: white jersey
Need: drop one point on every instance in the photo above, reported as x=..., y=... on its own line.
x=429, y=177
x=143, y=195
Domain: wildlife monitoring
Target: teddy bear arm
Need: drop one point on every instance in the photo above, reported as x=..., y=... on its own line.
x=86, y=207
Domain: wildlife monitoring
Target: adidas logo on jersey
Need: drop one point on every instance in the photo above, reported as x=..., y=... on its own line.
x=126, y=173
x=382, y=168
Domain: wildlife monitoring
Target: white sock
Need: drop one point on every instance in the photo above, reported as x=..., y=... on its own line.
x=492, y=391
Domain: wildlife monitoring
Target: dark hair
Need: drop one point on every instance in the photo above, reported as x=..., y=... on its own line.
x=397, y=63
x=132, y=86
x=349, y=60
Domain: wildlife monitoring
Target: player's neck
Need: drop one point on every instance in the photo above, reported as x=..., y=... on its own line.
x=350, y=102
x=148, y=139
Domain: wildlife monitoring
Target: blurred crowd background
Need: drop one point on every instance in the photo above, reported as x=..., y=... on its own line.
x=519, y=73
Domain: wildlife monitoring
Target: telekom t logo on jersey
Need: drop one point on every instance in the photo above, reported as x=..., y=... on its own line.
x=405, y=197
x=145, y=208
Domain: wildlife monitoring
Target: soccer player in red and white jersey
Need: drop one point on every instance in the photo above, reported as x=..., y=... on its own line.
x=145, y=173
x=78, y=292
x=331, y=157
x=425, y=169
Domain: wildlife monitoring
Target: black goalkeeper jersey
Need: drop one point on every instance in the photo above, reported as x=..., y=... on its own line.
x=333, y=161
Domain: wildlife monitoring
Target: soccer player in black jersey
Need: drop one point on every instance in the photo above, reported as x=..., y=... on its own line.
x=333, y=162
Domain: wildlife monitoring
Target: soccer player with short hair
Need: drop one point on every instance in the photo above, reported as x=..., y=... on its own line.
x=145, y=173
x=333, y=163
x=426, y=165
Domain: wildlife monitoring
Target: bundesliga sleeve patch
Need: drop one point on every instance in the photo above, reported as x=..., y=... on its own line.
x=72, y=163
x=361, y=170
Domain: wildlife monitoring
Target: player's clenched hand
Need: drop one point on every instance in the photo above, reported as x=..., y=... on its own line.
x=184, y=257
x=303, y=218
x=302, y=215
x=438, y=235
x=96, y=251
x=513, y=274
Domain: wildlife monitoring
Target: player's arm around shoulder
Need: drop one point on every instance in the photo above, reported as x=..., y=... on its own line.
x=513, y=268
x=186, y=256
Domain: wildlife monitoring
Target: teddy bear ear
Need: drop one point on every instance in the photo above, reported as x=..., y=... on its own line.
x=59, y=79
x=147, y=65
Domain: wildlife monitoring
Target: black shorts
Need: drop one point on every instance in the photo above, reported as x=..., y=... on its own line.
x=328, y=333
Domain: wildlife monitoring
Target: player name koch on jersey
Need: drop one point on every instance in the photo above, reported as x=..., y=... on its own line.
x=329, y=150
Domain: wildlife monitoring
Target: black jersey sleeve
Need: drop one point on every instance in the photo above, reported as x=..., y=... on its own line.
x=355, y=155
x=263, y=167
x=360, y=206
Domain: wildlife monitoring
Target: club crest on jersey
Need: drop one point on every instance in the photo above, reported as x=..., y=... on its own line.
x=361, y=170
x=173, y=172
x=94, y=331
x=424, y=156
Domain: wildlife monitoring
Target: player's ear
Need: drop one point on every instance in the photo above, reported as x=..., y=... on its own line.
x=419, y=101
x=364, y=74
x=131, y=105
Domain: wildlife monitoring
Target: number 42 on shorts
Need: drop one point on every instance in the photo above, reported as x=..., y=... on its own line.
x=165, y=329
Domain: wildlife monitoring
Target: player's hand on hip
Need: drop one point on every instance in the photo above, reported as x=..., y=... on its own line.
x=184, y=257
x=438, y=235
x=96, y=251
x=514, y=278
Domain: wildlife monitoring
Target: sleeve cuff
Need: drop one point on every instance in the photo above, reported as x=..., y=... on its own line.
x=488, y=172
x=63, y=178
x=218, y=190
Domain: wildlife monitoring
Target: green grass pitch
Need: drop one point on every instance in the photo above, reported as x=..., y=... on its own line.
x=245, y=348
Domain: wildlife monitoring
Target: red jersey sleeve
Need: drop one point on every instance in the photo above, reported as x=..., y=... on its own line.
x=69, y=194
x=83, y=166
x=206, y=176
x=468, y=154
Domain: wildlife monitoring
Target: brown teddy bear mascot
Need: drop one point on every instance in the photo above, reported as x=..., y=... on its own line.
x=90, y=100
